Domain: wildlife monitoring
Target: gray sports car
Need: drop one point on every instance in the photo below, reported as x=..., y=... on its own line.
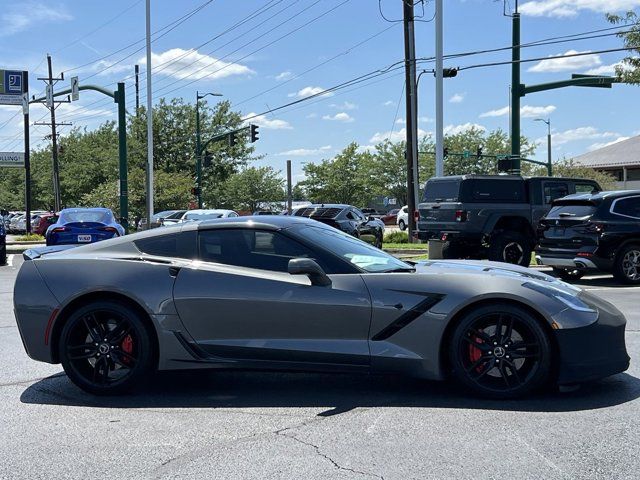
x=280, y=292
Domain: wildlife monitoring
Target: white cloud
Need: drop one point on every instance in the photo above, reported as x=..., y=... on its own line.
x=269, y=124
x=24, y=15
x=568, y=63
x=425, y=120
x=401, y=121
x=105, y=67
x=597, y=146
x=312, y=115
x=344, y=106
x=366, y=148
x=179, y=63
x=339, y=117
x=608, y=69
x=580, y=133
x=284, y=76
x=396, y=136
x=305, y=152
x=388, y=103
x=457, y=98
x=526, y=111
x=571, y=8
x=309, y=91
x=456, y=129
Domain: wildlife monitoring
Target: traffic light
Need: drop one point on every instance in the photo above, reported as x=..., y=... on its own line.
x=479, y=153
x=208, y=158
x=449, y=72
x=505, y=164
x=254, y=133
x=446, y=152
x=232, y=139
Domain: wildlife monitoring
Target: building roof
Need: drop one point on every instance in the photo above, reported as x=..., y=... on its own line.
x=619, y=154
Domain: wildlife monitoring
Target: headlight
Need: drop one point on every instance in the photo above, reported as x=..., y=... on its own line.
x=571, y=301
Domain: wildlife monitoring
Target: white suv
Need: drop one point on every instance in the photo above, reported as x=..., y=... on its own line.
x=403, y=218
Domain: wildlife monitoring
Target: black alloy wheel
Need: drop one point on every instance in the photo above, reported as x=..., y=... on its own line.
x=626, y=266
x=500, y=351
x=105, y=348
x=569, y=274
x=510, y=247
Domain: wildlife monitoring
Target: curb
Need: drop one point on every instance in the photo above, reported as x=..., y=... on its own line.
x=18, y=248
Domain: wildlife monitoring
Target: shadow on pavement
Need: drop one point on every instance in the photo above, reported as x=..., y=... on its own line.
x=339, y=393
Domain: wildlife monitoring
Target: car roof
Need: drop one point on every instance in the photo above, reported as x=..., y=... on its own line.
x=269, y=222
x=600, y=196
x=86, y=209
x=329, y=205
x=470, y=176
x=207, y=210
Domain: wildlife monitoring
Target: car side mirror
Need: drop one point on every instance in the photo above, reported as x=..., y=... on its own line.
x=310, y=268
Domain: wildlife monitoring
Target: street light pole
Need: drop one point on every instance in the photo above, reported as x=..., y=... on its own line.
x=199, y=146
x=548, y=122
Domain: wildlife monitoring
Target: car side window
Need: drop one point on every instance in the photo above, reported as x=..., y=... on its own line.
x=629, y=207
x=585, y=187
x=351, y=216
x=260, y=249
x=160, y=246
x=233, y=214
x=553, y=191
x=358, y=215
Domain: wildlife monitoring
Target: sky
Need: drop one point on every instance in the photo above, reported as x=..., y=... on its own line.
x=263, y=54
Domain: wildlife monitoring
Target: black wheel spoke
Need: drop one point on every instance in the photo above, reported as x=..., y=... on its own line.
x=498, y=333
x=517, y=355
x=480, y=334
x=126, y=356
x=95, y=335
x=80, y=352
x=509, y=330
x=514, y=372
x=485, y=370
x=521, y=345
x=503, y=374
x=478, y=363
x=119, y=332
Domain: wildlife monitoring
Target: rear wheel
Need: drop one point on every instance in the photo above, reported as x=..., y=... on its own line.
x=402, y=225
x=510, y=247
x=626, y=267
x=378, y=242
x=500, y=351
x=105, y=348
x=569, y=274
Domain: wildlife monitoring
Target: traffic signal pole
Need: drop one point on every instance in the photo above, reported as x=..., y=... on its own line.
x=439, y=92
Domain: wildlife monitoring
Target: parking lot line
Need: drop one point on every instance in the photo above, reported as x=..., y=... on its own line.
x=610, y=288
x=10, y=260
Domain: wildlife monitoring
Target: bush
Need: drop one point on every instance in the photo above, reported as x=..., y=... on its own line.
x=396, y=237
x=32, y=237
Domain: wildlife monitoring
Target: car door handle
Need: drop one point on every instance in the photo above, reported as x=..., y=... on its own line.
x=173, y=271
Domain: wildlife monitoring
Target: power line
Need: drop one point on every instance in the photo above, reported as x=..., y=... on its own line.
x=395, y=117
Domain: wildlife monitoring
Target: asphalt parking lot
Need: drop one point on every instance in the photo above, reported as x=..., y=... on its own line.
x=267, y=425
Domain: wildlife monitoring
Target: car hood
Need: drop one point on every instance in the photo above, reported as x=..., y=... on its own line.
x=493, y=269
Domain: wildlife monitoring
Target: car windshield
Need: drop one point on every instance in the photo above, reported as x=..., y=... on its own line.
x=86, y=216
x=202, y=216
x=357, y=252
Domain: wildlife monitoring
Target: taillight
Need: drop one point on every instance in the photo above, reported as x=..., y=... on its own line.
x=584, y=254
x=461, y=215
x=59, y=229
x=416, y=216
x=109, y=229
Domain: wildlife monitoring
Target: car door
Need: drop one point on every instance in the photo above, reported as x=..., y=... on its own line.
x=366, y=230
x=240, y=303
x=551, y=190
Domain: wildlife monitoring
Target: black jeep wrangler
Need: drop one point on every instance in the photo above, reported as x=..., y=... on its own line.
x=489, y=216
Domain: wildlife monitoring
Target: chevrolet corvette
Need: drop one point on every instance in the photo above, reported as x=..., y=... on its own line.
x=285, y=292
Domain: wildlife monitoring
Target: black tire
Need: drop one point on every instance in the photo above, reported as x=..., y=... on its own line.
x=451, y=251
x=402, y=226
x=510, y=247
x=379, y=238
x=626, y=266
x=569, y=275
x=105, y=348
x=500, y=351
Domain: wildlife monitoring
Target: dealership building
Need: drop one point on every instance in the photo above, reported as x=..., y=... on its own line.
x=621, y=159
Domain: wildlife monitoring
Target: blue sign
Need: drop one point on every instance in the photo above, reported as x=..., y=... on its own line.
x=11, y=87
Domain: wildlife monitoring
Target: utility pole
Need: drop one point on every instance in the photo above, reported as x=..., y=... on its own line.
x=137, y=72
x=149, y=119
x=289, y=188
x=439, y=92
x=516, y=92
x=51, y=104
x=199, y=149
x=549, y=165
x=411, y=111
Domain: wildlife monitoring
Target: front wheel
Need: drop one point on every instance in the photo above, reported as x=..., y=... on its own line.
x=105, y=348
x=500, y=351
x=402, y=226
x=626, y=267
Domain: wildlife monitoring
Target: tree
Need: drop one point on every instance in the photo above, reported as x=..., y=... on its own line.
x=568, y=168
x=253, y=188
x=629, y=69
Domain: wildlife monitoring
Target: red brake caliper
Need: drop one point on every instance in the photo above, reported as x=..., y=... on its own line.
x=127, y=347
x=475, y=353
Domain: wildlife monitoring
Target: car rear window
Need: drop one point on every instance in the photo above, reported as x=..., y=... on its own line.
x=89, y=216
x=441, y=191
x=575, y=210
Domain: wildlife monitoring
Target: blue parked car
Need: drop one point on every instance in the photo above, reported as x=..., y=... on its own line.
x=83, y=225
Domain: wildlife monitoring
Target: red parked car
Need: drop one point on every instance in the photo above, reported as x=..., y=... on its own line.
x=391, y=217
x=39, y=225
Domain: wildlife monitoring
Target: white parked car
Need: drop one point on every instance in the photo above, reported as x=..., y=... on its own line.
x=207, y=214
x=403, y=218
